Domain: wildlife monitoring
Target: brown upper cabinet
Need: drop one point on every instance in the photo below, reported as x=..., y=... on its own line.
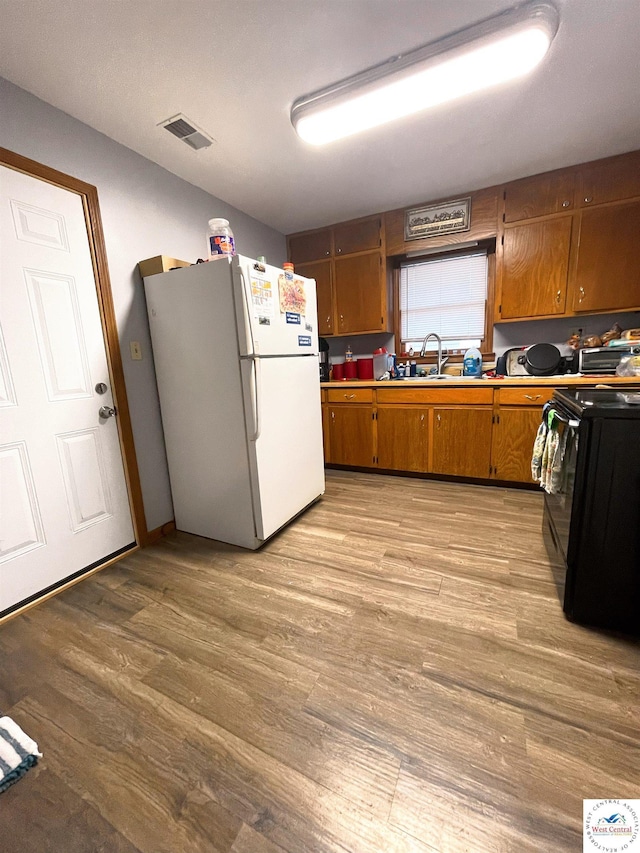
x=607, y=275
x=575, y=253
x=534, y=269
x=613, y=179
x=357, y=236
x=310, y=247
x=540, y=195
x=350, y=272
x=566, y=244
x=322, y=271
x=360, y=294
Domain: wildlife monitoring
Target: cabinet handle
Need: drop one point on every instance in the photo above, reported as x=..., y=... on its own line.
x=328, y=320
x=438, y=419
x=342, y=319
x=327, y=252
x=422, y=417
x=588, y=199
x=581, y=289
x=566, y=203
x=338, y=251
x=558, y=295
x=349, y=396
x=533, y=397
x=333, y=416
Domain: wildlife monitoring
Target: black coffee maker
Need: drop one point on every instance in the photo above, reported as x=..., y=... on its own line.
x=323, y=358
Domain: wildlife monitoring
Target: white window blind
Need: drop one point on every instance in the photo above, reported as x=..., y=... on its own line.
x=444, y=295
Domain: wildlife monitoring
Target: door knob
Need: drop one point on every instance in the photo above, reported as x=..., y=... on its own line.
x=107, y=412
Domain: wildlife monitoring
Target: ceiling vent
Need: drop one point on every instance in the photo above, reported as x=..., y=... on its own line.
x=185, y=129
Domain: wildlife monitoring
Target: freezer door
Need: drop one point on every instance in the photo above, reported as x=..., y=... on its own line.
x=275, y=317
x=287, y=457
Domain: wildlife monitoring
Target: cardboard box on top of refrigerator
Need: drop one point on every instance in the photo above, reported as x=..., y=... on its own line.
x=161, y=263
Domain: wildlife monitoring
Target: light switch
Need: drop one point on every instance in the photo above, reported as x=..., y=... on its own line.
x=136, y=351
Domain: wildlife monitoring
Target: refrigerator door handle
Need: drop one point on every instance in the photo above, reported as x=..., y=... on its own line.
x=256, y=407
x=247, y=305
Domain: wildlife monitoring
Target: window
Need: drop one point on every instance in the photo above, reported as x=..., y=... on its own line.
x=447, y=296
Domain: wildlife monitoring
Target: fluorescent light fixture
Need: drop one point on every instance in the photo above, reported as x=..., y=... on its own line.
x=493, y=51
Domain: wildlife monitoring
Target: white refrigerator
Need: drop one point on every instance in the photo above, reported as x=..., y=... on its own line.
x=235, y=346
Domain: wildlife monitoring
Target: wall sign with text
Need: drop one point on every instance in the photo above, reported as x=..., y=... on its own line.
x=449, y=217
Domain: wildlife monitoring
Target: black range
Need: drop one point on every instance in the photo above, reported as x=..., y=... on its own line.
x=594, y=518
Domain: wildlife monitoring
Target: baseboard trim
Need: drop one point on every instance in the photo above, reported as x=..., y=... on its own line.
x=158, y=532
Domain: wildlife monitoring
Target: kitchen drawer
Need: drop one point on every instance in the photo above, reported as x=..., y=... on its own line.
x=457, y=396
x=349, y=395
x=529, y=396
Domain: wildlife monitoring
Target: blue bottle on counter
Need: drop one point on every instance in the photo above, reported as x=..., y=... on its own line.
x=472, y=363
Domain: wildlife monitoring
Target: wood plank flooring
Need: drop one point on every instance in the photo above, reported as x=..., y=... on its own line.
x=392, y=673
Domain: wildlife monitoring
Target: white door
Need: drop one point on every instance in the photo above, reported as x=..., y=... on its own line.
x=289, y=460
x=63, y=495
x=275, y=317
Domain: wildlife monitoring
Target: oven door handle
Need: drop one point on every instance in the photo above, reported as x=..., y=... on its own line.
x=569, y=421
x=559, y=415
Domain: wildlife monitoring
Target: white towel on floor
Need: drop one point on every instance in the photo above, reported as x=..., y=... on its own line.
x=18, y=752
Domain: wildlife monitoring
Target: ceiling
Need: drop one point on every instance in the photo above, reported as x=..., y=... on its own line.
x=235, y=68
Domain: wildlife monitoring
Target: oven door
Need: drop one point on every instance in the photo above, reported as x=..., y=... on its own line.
x=559, y=505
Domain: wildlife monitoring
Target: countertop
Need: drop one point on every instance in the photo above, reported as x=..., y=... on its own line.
x=456, y=382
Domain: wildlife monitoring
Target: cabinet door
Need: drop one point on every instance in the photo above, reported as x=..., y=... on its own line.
x=357, y=236
x=607, y=271
x=321, y=271
x=611, y=180
x=326, y=432
x=462, y=441
x=351, y=435
x=538, y=196
x=310, y=247
x=360, y=293
x=513, y=437
x=403, y=438
x=535, y=264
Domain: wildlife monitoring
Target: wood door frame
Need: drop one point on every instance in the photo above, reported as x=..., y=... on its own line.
x=89, y=196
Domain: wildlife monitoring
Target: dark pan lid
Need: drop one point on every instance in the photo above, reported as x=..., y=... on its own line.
x=543, y=357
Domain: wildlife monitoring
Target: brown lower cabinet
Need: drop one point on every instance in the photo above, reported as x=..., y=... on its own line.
x=435, y=432
x=513, y=435
x=403, y=438
x=350, y=428
x=462, y=441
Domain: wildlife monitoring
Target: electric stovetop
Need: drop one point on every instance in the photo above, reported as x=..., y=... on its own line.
x=600, y=402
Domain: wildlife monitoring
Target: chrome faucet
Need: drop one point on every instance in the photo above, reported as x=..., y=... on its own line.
x=441, y=360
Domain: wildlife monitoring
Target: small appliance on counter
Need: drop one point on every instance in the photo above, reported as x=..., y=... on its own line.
x=534, y=360
x=323, y=358
x=605, y=359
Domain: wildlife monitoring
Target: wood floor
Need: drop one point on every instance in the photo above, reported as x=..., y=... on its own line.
x=391, y=674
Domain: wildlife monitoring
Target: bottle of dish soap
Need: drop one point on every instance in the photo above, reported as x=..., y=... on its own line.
x=472, y=363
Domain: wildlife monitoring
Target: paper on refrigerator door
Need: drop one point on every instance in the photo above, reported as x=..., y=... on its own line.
x=262, y=298
x=293, y=298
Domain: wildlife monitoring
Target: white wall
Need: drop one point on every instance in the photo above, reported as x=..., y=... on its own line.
x=146, y=211
x=557, y=331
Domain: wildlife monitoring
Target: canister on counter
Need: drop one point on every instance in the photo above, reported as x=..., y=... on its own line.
x=365, y=368
x=350, y=370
